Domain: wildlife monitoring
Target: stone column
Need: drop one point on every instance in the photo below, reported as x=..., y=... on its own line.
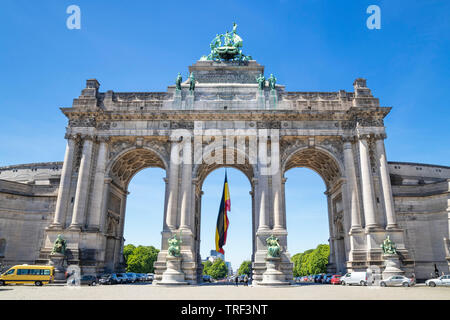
x=332, y=257
x=352, y=186
x=186, y=185
x=263, y=186
x=277, y=190
x=283, y=194
x=105, y=202
x=386, y=183
x=171, y=214
x=81, y=193
x=263, y=214
x=166, y=199
x=366, y=183
x=64, y=185
x=95, y=214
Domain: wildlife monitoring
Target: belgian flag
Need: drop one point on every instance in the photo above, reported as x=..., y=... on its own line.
x=222, y=219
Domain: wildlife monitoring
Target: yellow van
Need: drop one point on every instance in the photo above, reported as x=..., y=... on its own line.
x=24, y=273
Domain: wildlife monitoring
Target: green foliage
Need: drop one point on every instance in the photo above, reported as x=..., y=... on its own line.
x=140, y=259
x=206, y=266
x=218, y=269
x=245, y=268
x=127, y=250
x=312, y=261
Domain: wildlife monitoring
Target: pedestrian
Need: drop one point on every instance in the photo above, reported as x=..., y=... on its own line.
x=246, y=280
x=436, y=271
x=236, y=280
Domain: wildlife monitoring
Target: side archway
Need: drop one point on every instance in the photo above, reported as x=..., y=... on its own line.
x=119, y=172
x=330, y=169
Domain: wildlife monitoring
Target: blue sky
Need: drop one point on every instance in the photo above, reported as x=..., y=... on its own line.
x=308, y=45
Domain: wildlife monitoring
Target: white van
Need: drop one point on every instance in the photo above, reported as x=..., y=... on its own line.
x=359, y=278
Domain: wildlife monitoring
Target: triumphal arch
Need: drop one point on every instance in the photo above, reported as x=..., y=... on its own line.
x=225, y=114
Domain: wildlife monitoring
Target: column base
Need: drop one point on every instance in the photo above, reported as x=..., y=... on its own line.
x=55, y=226
x=356, y=230
x=393, y=227
x=75, y=227
x=263, y=230
x=373, y=228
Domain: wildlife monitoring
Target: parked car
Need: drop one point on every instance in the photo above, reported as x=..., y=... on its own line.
x=150, y=276
x=441, y=281
x=396, y=281
x=326, y=278
x=358, y=278
x=132, y=278
x=318, y=278
x=335, y=279
x=122, y=278
x=142, y=277
x=88, y=280
x=207, y=278
x=109, y=279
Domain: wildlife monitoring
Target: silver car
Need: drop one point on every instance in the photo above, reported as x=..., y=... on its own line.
x=441, y=281
x=397, y=281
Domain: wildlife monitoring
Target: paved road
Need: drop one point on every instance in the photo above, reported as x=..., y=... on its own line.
x=208, y=292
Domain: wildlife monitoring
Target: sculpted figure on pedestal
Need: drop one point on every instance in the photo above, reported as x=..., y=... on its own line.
x=60, y=245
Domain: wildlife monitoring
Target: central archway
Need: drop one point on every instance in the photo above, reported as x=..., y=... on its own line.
x=200, y=173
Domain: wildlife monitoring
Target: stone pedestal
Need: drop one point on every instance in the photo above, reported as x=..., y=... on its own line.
x=177, y=99
x=392, y=266
x=57, y=260
x=273, y=276
x=273, y=99
x=173, y=274
x=190, y=101
x=261, y=100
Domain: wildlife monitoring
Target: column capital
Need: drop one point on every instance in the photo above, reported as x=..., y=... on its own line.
x=380, y=136
x=349, y=139
x=175, y=139
x=89, y=137
x=364, y=136
x=70, y=136
x=102, y=138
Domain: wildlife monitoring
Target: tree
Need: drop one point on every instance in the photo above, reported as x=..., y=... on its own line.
x=245, y=268
x=312, y=261
x=127, y=250
x=218, y=269
x=318, y=260
x=296, y=259
x=141, y=259
x=206, y=267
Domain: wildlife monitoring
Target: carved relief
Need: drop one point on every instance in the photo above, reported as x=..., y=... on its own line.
x=82, y=122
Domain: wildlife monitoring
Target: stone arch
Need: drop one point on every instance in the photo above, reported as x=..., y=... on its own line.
x=318, y=159
x=128, y=162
